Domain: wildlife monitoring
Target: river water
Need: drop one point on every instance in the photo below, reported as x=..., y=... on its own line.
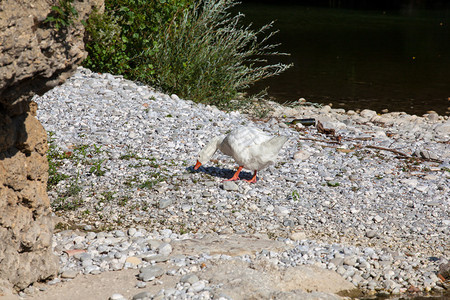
x=395, y=60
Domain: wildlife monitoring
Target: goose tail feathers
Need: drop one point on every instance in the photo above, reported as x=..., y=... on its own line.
x=276, y=142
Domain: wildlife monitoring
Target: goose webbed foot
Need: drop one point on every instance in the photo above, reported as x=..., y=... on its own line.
x=253, y=180
x=236, y=175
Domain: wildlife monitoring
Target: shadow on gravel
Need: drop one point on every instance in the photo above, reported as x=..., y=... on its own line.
x=220, y=172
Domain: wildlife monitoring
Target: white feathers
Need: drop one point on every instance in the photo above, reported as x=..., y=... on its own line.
x=250, y=147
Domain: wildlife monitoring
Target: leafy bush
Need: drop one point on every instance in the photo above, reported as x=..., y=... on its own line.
x=117, y=39
x=107, y=51
x=197, y=50
x=208, y=56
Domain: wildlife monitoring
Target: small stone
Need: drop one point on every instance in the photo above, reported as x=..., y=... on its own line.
x=422, y=188
x=288, y=223
x=337, y=261
x=117, y=297
x=119, y=233
x=165, y=249
x=301, y=155
x=150, y=273
x=411, y=182
x=164, y=203
x=69, y=274
x=132, y=231
x=270, y=208
x=54, y=281
x=189, y=278
x=377, y=219
x=154, y=244
x=84, y=257
x=198, y=286
x=341, y=270
x=367, y=113
x=29, y=290
x=356, y=279
x=389, y=285
x=298, y=235
x=325, y=109
x=350, y=261
x=78, y=239
x=116, y=266
x=230, y=186
x=143, y=296
x=388, y=274
x=380, y=134
x=281, y=210
x=74, y=252
x=430, y=177
x=91, y=235
x=206, y=194
x=133, y=260
x=141, y=285
x=94, y=270
x=155, y=257
x=371, y=233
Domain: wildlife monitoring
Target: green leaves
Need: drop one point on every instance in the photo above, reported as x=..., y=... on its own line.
x=195, y=49
x=120, y=39
x=62, y=15
x=207, y=55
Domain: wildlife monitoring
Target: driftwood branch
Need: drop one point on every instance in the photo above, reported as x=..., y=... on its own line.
x=420, y=158
x=388, y=149
x=327, y=131
x=321, y=141
x=332, y=133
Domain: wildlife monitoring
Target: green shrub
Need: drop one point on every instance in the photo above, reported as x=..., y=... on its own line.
x=116, y=39
x=207, y=55
x=107, y=51
x=196, y=49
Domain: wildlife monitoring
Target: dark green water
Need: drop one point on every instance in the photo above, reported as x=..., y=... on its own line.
x=360, y=59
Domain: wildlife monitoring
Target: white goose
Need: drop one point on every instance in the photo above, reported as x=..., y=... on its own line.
x=250, y=147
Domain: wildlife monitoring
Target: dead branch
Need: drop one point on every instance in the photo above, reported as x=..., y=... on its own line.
x=321, y=129
x=420, y=158
x=387, y=149
x=321, y=141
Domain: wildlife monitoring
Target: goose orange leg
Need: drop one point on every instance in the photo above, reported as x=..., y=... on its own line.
x=253, y=180
x=236, y=175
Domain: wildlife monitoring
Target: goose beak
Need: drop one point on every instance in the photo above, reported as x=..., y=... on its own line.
x=197, y=165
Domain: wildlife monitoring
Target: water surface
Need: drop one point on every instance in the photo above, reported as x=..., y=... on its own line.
x=399, y=60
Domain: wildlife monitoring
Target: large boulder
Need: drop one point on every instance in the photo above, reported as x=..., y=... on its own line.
x=34, y=57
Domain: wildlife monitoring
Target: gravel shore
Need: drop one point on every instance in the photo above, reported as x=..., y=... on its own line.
x=370, y=201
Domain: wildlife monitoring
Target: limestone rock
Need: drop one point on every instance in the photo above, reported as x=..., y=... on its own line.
x=34, y=57
x=265, y=281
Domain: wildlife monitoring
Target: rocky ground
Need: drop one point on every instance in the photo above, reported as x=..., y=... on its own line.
x=366, y=197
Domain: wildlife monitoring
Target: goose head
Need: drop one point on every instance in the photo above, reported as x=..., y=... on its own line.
x=208, y=151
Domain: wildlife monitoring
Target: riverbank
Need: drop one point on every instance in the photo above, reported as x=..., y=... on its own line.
x=369, y=202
